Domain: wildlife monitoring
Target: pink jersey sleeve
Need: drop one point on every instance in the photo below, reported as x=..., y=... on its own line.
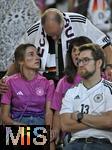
x=50, y=90
x=58, y=95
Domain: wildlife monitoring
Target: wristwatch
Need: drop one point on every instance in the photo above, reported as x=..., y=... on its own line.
x=79, y=117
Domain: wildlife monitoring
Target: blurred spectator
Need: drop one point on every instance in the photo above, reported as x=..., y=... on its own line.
x=110, y=32
x=41, y=5
x=111, y=9
x=107, y=72
x=45, y=4
x=110, y=4
x=78, y=6
x=62, y=5
x=99, y=13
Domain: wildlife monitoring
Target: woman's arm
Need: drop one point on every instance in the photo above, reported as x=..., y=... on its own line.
x=5, y=115
x=48, y=114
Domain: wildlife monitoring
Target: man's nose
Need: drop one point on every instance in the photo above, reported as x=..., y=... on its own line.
x=37, y=57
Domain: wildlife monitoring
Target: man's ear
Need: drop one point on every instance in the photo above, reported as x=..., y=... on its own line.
x=62, y=25
x=99, y=63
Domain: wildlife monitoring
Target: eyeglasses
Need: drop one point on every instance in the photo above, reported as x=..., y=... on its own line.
x=84, y=61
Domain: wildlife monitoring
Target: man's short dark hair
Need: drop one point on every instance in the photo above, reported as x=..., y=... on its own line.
x=97, y=52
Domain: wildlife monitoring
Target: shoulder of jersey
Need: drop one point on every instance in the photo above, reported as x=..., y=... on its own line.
x=13, y=77
x=74, y=17
x=106, y=39
x=33, y=28
x=76, y=85
x=41, y=77
x=108, y=85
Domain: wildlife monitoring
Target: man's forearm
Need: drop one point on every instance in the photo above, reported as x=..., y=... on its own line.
x=103, y=121
x=69, y=124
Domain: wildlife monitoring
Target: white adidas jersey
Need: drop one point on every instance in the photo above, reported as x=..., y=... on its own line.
x=90, y=101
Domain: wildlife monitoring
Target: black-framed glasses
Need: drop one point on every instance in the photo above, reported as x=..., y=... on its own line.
x=84, y=61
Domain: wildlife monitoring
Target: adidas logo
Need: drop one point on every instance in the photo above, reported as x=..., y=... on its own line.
x=77, y=97
x=19, y=93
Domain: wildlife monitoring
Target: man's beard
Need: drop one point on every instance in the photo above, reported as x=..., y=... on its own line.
x=87, y=74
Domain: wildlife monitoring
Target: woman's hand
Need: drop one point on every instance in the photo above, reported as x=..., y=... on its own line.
x=3, y=86
x=54, y=135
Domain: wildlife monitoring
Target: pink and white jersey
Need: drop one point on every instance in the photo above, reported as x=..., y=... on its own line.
x=60, y=91
x=30, y=96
